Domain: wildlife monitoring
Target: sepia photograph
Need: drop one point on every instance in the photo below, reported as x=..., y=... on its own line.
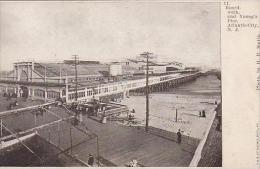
x=110, y=84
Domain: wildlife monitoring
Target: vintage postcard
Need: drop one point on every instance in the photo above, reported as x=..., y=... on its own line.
x=129, y=84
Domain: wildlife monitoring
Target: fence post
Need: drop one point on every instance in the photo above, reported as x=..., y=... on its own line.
x=70, y=142
x=59, y=134
x=49, y=135
x=35, y=119
x=1, y=127
x=98, y=151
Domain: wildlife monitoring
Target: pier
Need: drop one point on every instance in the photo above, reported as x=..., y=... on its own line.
x=128, y=87
x=49, y=89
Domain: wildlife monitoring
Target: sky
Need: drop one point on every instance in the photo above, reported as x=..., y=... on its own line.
x=109, y=31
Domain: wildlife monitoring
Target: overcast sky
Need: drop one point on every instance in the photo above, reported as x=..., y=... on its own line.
x=105, y=31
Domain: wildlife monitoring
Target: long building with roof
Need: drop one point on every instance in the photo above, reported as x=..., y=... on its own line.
x=50, y=81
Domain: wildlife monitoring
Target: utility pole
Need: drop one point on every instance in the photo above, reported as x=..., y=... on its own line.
x=76, y=62
x=147, y=56
x=60, y=73
x=1, y=126
x=45, y=80
x=176, y=115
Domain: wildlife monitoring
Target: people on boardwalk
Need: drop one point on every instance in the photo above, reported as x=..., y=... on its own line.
x=59, y=101
x=104, y=117
x=179, y=136
x=203, y=113
x=16, y=103
x=131, y=117
x=133, y=163
x=90, y=160
x=12, y=105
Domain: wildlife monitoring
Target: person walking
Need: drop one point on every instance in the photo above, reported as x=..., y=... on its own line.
x=90, y=160
x=179, y=136
x=203, y=113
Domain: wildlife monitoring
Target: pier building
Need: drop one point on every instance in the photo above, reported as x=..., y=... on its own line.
x=50, y=81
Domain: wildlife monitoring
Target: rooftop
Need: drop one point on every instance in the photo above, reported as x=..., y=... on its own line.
x=84, y=68
x=54, y=69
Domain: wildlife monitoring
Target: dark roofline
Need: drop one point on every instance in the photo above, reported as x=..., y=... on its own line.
x=81, y=62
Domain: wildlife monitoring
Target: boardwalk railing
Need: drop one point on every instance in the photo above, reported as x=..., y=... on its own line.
x=197, y=155
x=116, y=111
x=173, y=136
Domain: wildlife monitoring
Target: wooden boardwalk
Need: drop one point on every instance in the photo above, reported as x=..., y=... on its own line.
x=118, y=144
x=121, y=144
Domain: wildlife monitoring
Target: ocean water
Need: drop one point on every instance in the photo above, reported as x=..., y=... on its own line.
x=188, y=99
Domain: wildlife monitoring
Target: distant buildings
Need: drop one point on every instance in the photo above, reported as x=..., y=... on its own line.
x=154, y=66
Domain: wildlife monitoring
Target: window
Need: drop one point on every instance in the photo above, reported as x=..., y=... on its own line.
x=95, y=91
x=72, y=96
x=39, y=93
x=106, y=90
x=81, y=94
x=53, y=94
x=63, y=92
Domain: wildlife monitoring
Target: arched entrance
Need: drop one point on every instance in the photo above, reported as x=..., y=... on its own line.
x=24, y=92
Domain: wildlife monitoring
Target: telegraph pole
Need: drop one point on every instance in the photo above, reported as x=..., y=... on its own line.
x=176, y=115
x=147, y=56
x=76, y=75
